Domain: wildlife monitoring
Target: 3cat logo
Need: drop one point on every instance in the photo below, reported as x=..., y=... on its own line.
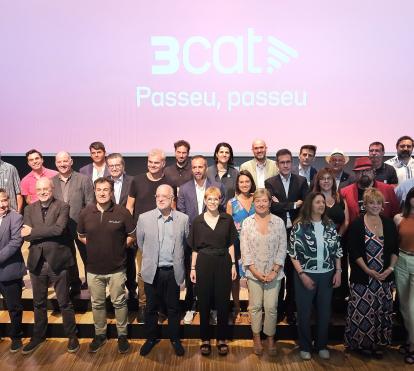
x=170, y=56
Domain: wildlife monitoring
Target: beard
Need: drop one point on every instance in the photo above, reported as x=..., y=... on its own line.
x=365, y=181
x=405, y=153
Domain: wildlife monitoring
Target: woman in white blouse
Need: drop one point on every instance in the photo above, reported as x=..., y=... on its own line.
x=263, y=250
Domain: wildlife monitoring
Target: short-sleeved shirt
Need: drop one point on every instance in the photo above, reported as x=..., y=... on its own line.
x=386, y=174
x=106, y=235
x=143, y=190
x=10, y=181
x=179, y=175
x=203, y=239
x=28, y=183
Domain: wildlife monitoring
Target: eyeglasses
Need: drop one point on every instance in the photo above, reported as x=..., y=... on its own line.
x=115, y=166
x=212, y=200
x=162, y=197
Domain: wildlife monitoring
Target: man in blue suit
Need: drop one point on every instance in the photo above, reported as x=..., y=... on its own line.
x=191, y=202
x=12, y=267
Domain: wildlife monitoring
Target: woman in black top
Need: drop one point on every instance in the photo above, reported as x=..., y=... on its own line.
x=213, y=267
x=336, y=207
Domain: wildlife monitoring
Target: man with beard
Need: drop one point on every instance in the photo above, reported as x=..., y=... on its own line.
x=403, y=162
x=180, y=172
x=260, y=166
x=383, y=172
x=365, y=178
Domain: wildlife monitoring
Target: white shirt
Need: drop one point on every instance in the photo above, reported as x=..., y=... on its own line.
x=1, y=218
x=305, y=173
x=118, y=188
x=260, y=174
x=200, y=191
x=404, y=171
x=286, y=184
x=96, y=174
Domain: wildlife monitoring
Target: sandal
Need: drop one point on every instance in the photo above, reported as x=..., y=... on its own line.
x=409, y=358
x=205, y=349
x=257, y=345
x=223, y=349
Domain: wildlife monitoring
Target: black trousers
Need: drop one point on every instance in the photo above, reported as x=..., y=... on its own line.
x=131, y=269
x=163, y=290
x=12, y=293
x=190, y=301
x=286, y=303
x=40, y=279
x=74, y=278
x=213, y=275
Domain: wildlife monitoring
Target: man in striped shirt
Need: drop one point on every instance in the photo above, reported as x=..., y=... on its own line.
x=10, y=181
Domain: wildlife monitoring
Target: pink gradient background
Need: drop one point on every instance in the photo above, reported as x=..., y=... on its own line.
x=69, y=72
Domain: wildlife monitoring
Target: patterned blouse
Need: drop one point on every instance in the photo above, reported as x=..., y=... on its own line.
x=263, y=250
x=303, y=246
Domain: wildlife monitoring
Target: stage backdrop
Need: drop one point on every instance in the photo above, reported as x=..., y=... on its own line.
x=140, y=74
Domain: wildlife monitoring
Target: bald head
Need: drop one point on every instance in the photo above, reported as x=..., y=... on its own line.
x=64, y=163
x=259, y=149
x=44, y=189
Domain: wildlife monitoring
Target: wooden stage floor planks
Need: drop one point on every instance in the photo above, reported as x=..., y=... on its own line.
x=52, y=355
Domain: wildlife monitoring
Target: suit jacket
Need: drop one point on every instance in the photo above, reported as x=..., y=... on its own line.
x=88, y=170
x=270, y=168
x=187, y=198
x=126, y=184
x=49, y=238
x=313, y=171
x=350, y=194
x=80, y=194
x=298, y=189
x=11, y=260
x=148, y=243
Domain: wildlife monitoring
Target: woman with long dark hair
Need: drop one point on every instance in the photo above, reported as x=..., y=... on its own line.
x=316, y=256
x=404, y=272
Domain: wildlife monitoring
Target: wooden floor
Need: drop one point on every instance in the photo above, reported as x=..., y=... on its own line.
x=52, y=355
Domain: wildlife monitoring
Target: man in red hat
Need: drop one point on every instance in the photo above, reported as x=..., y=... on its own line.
x=365, y=178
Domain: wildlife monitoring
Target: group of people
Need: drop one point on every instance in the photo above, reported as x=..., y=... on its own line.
x=291, y=231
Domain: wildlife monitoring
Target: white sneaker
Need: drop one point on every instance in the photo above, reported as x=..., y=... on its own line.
x=324, y=354
x=189, y=316
x=305, y=355
x=213, y=317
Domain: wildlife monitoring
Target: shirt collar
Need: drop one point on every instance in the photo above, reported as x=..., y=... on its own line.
x=284, y=179
x=260, y=165
x=170, y=216
x=203, y=186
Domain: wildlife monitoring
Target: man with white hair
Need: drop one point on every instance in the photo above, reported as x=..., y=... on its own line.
x=161, y=236
x=260, y=166
x=142, y=199
x=77, y=191
x=45, y=226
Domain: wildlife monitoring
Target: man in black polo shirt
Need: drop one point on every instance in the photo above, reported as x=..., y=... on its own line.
x=142, y=199
x=383, y=172
x=107, y=230
x=180, y=172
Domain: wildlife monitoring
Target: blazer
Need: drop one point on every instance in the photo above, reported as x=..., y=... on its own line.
x=350, y=194
x=88, y=170
x=356, y=247
x=187, y=198
x=270, y=168
x=49, y=238
x=298, y=189
x=11, y=260
x=126, y=184
x=80, y=194
x=313, y=172
x=148, y=243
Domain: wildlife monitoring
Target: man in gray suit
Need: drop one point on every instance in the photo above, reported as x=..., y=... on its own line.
x=76, y=190
x=12, y=267
x=161, y=236
x=260, y=166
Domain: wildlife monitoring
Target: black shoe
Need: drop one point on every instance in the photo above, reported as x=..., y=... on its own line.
x=141, y=315
x=178, y=348
x=16, y=345
x=73, y=345
x=97, y=342
x=291, y=319
x=84, y=286
x=162, y=317
x=147, y=346
x=123, y=344
x=32, y=345
x=74, y=291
